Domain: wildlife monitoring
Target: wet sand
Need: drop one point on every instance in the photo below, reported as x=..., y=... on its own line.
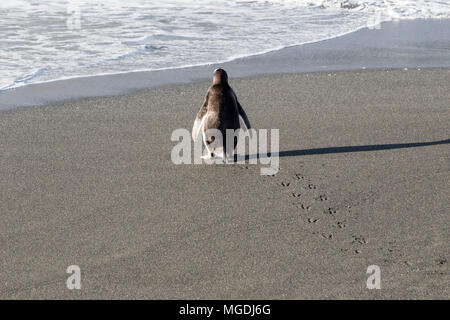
x=364, y=180
x=397, y=44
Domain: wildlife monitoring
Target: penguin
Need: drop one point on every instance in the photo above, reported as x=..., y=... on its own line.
x=221, y=110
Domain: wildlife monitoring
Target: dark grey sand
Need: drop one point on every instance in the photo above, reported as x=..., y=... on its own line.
x=91, y=183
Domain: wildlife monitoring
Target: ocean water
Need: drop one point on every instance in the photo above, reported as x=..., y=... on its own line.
x=45, y=40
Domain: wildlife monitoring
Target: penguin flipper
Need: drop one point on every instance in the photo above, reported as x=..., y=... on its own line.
x=244, y=119
x=200, y=119
x=198, y=126
x=243, y=116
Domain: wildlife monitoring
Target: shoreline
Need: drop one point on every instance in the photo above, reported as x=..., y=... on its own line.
x=403, y=44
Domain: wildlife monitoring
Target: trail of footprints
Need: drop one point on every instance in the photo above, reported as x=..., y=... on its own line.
x=328, y=220
x=318, y=210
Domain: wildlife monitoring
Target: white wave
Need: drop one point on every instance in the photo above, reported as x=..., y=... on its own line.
x=113, y=36
x=24, y=80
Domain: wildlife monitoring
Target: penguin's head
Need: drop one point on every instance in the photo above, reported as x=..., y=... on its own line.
x=220, y=76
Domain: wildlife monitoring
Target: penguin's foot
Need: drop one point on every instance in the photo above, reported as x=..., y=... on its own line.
x=208, y=156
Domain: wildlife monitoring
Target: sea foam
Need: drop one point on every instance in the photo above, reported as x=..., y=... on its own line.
x=45, y=40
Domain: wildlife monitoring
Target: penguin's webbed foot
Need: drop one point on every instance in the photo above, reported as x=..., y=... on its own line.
x=208, y=156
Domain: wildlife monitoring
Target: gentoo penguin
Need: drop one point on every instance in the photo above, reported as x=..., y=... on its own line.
x=221, y=110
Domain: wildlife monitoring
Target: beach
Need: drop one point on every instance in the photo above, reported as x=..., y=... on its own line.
x=363, y=180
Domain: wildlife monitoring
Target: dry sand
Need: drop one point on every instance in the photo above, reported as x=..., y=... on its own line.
x=90, y=182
